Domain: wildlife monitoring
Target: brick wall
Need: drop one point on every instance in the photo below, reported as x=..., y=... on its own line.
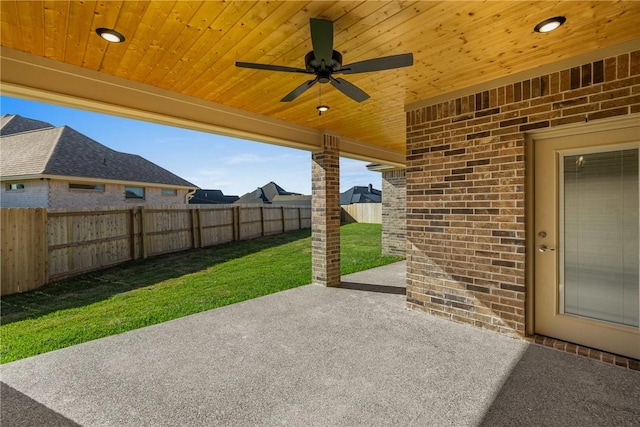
x=154, y=196
x=34, y=195
x=394, y=194
x=465, y=186
x=61, y=196
x=325, y=213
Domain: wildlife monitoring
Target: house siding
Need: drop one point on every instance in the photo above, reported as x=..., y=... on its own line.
x=466, y=186
x=34, y=195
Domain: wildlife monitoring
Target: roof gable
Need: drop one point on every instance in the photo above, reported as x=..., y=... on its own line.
x=64, y=151
x=265, y=194
x=78, y=155
x=27, y=153
x=12, y=123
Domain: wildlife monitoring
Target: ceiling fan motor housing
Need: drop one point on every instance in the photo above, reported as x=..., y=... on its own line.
x=314, y=67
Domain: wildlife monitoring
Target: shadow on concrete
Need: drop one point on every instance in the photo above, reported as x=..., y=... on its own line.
x=548, y=387
x=369, y=287
x=17, y=409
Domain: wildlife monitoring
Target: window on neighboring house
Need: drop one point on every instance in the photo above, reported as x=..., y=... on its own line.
x=92, y=187
x=134, y=192
x=15, y=187
x=169, y=192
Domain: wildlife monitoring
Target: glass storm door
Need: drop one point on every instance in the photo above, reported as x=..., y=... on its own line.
x=587, y=272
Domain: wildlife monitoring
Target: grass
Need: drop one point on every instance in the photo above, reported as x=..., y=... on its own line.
x=147, y=292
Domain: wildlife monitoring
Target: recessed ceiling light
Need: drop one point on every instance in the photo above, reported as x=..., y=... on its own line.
x=549, y=24
x=110, y=35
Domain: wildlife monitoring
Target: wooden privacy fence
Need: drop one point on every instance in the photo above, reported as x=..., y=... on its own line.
x=362, y=212
x=40, y=245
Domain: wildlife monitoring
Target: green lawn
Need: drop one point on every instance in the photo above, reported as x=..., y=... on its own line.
x=158, y=289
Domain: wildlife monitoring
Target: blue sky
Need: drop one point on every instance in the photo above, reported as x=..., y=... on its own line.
x=210, y=161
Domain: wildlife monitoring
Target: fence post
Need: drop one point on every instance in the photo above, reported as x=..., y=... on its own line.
x=299, y=218
x=132, y=231
x=45, y=244
x=194, y=243
x=199, y=214
x=143, y=233
x=262, y=220
x=236, y=222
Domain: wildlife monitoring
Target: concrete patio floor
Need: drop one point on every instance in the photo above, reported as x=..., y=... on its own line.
x=315, y=356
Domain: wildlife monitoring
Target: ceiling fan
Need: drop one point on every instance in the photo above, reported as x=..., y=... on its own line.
x=324, y=62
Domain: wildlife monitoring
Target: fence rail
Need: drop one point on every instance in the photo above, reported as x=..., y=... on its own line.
x=40, y=245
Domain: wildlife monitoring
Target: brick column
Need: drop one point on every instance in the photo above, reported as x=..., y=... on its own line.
x=394, y=200
x=325, y=213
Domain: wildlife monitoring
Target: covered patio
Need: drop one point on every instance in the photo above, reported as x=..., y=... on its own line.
x=317, y=356
x=454, y=136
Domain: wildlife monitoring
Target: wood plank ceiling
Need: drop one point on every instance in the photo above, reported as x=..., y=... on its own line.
x=190, y=47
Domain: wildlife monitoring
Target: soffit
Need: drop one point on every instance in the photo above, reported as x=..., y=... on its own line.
x=190, y=47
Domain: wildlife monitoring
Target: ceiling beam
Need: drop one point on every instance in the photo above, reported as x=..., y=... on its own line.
x=41, y=79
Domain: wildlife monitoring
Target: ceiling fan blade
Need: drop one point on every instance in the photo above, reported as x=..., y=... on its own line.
x=379, y=64
x=322, y=40
x=299, y=90
x=349, y=89
x=271, y=67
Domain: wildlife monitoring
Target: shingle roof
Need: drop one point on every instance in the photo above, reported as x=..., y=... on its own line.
x=65, y=152
x=13, y=123
x=27, y=153
x=209, y=197
x=360, y=194
x=255, y=197
x=264, y=194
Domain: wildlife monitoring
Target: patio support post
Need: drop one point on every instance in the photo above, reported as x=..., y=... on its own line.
x=394, y=217
x=325, y=213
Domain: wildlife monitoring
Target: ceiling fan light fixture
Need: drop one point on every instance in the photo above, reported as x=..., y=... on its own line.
x=550, y=24
x=322, y=108
x=110, y=35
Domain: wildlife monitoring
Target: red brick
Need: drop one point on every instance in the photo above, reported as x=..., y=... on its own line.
x=623, y=66
x=621, y=102
x=610, y=69
x=621, y=361
x=634, y=66
x=609, y=113
x=571, y=348
x=554, y=83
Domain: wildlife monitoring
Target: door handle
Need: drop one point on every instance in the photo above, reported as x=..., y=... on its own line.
x=545, y=248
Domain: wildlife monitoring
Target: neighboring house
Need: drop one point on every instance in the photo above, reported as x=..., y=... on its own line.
x=211, y=197
x=58, y=167
x=292, y=200
x=360, y=194
x=272, y=193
